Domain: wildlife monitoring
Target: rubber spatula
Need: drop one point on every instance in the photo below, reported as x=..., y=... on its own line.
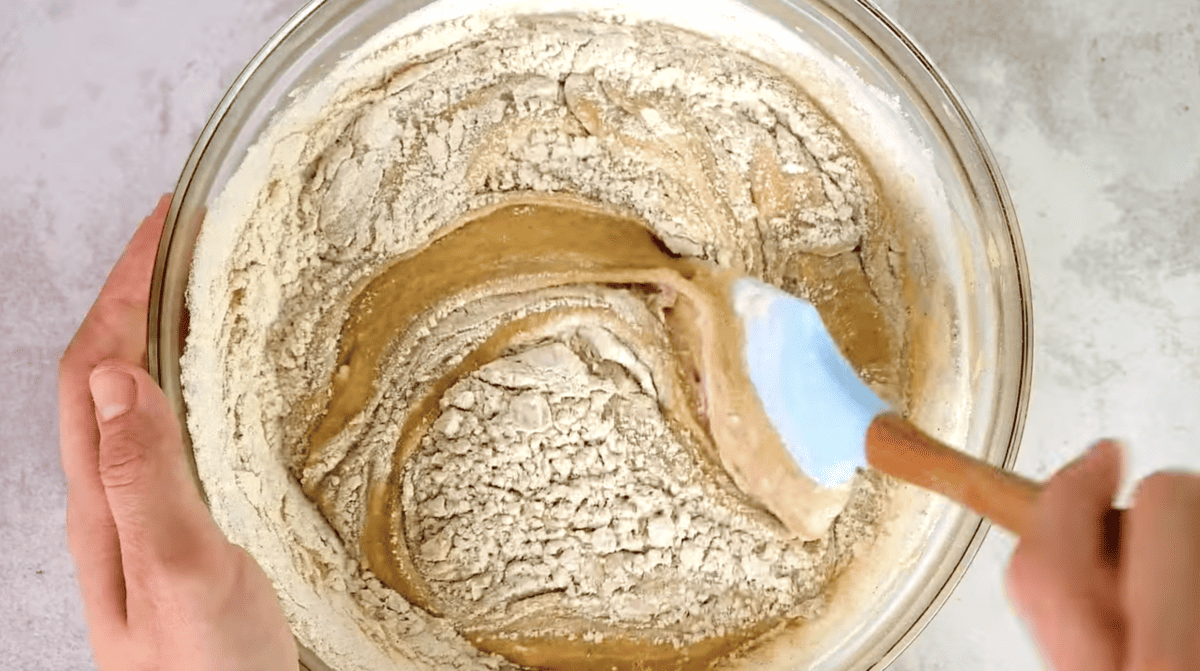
x=832, y=423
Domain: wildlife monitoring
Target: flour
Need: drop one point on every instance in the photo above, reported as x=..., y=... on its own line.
x=549, y=484
x=550, y=481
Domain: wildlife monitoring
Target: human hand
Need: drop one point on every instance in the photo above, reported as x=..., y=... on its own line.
x=1095, y=610
x=162, y=587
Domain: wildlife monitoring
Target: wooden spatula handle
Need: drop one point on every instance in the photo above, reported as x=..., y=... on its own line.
x=900, y=449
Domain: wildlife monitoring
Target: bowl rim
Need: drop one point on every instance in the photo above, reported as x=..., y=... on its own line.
x=165, y=371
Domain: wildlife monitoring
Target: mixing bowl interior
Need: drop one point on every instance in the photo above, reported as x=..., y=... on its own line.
x=908, y=122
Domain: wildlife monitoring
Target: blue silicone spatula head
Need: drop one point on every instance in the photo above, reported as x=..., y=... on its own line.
x=813, y=397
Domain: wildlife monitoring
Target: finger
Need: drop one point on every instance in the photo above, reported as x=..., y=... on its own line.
x=114, y=328
x=130, y=278
x=165, y=531
x=1161, y=564
x=1059, y=578
x=1074, y=506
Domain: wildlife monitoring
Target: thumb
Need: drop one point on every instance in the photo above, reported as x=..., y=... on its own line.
x=162, y=523
x=1092, y=480
x=1076, y=503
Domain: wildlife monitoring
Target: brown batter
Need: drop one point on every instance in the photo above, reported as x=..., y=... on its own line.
x=401, y=243
x=695, y=358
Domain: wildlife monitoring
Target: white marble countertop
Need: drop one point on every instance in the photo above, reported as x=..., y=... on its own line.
x=1091, y=106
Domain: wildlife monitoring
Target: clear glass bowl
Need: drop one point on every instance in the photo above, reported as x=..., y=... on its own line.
x=979, y=243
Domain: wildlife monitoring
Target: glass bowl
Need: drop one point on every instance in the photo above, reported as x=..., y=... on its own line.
x=876, y=70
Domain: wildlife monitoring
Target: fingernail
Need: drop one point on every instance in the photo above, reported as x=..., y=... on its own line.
x=113, y=393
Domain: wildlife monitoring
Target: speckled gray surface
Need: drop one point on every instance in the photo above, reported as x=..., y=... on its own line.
x=1091, y=106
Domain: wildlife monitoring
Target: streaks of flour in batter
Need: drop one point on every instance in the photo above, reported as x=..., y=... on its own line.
x=722, y=158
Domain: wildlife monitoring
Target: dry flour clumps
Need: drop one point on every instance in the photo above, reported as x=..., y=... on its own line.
x=548, y=484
